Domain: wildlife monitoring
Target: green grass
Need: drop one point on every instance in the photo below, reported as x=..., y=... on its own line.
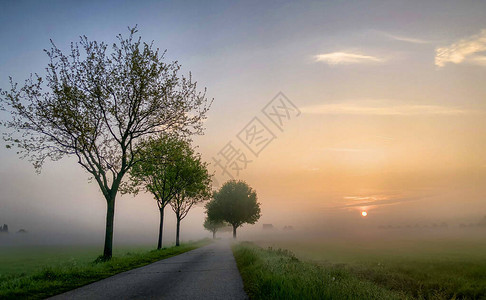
x=278, y=274
x=23, y=259
x=49, y=272
x=420, y=269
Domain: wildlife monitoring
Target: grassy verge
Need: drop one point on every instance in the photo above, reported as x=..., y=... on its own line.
x=278, y=274
x=54, y=279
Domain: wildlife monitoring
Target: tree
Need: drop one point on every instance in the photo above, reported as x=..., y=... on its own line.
x=193, y=185
x=235, y=203
x=97, y=105
x=158, y=171
x=213, y=226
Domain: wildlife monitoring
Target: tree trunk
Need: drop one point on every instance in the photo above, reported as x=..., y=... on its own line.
x=214, y=234
x=178, y=230
x=234, y=231
x=110, y=216
x=161, y=227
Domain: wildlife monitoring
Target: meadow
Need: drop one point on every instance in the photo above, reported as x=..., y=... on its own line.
x=41, y=271
x=279, y=274
x=407, y=267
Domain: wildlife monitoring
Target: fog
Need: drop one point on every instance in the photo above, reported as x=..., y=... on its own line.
x=70, y=210
x=388, y=118
x=60, y=206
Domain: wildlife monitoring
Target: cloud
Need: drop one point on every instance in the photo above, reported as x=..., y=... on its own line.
x=465, y=50
x=344, y=58
x=406, y=39
x=381, y=108
x=366, y=199
x=347, y=150
x=386, y=138
x=478, y=60
x=353, y=202
x=377, y=201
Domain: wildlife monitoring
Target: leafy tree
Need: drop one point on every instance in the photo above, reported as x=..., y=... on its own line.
x=213, y=226
x=235, y=203
x=97, y=105
x=193, y=185
x=158, y=170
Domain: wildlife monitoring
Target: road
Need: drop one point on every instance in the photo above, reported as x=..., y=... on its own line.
x=208, y=272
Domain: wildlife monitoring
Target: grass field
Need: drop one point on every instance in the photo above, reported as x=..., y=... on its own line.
x=39, y=272
x=278, y=274
x=22, y=259
x=417, y=269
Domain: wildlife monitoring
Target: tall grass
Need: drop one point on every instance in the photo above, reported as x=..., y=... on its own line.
x=278, y=274
x=57, y=278
x=419, y=268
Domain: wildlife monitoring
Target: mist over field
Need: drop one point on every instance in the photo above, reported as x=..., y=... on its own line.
x=60, y=206
x=389, y=121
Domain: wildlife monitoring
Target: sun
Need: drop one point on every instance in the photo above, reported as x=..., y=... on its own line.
x=364, y=214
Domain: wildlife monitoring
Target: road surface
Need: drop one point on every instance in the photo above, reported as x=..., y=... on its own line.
x=208, y=272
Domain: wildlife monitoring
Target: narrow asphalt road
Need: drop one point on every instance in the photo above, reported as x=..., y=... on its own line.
x=208, y=272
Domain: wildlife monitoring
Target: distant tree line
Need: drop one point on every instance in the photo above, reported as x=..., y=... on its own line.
x=4, y=229
x=416, y=226
x=481, y=223
x=442, y=225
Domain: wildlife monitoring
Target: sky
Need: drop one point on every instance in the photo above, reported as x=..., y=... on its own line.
x=381, y=104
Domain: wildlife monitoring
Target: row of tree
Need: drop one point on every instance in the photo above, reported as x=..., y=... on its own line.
x=174, y=174
x=120, y=112
x=111, y=107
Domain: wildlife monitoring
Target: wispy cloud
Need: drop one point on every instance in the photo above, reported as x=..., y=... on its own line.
x=374, y=201
x=478, y=60
x=386, y=138
x=381, y=108
x=347, y=150
x=466, y=50
x=405, y=39
x=345, y=58
x=364, y=199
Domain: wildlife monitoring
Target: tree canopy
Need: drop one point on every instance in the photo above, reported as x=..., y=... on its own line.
x=235, y=203
x=213, y=226
x=97, y=103
x=161, y=164
x=193, y=185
